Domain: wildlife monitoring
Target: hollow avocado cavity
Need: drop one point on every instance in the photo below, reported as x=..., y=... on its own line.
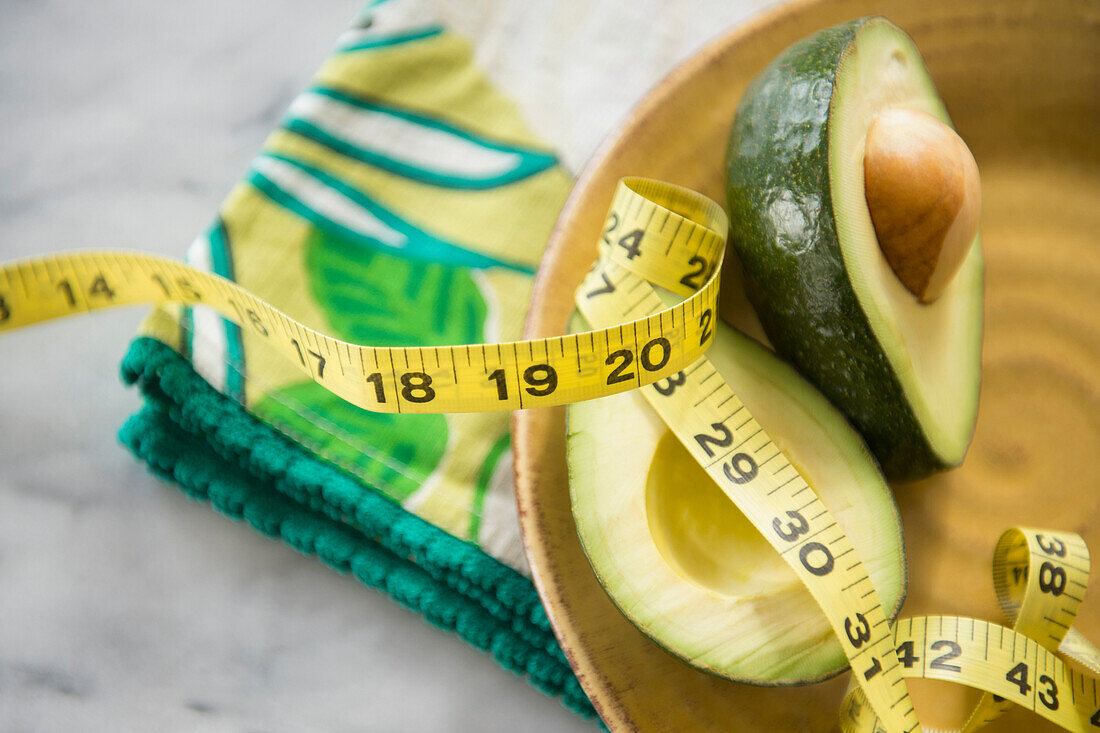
x=679, y=558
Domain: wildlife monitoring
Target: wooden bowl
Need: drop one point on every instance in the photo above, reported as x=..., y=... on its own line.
x=1021, y=79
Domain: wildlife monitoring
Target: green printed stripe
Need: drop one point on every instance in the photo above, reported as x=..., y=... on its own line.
x=483, y=479
x=221, y=260
x=394, y=39
x=187, y=332
x=419, y=245
x=528, y=163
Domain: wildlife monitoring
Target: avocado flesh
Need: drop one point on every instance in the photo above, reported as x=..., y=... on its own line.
x=684, y=564
x=905, y=373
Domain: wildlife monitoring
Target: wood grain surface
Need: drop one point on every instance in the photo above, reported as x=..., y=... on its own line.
x=1021, y=79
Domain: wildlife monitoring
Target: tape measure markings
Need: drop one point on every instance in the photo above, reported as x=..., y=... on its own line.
x=1031, y=571
x=997, y=660
x=436, y=379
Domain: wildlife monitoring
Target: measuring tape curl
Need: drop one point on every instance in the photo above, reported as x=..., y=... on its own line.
x=1040, y=577
x=659, y=235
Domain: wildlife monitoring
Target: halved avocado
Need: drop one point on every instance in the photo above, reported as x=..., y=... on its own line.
x=685, y=565
x=906, y=373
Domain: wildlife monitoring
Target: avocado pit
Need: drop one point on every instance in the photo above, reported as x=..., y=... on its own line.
x=924, y=196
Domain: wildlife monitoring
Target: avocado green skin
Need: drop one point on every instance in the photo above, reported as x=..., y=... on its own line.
x=783, y=230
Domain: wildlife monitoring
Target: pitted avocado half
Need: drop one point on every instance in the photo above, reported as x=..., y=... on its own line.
x=855, y=312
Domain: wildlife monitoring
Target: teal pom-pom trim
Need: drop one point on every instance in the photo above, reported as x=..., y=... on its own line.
x=216, y=452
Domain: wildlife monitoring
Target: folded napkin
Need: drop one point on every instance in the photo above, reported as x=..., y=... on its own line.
x=403, y=201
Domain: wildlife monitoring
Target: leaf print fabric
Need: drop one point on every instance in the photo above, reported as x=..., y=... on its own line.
x=403, y=201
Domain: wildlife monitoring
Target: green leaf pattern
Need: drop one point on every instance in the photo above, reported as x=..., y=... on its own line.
x=377, y=298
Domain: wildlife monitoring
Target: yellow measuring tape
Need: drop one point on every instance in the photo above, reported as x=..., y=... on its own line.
x=663, y=236
x=1040, y=577
x=652, y=343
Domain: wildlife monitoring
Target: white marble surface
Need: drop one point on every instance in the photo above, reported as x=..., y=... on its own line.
x=123, y=606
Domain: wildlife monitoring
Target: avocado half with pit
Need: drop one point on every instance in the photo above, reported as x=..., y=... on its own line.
x=901, y=365
x=685, y=565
